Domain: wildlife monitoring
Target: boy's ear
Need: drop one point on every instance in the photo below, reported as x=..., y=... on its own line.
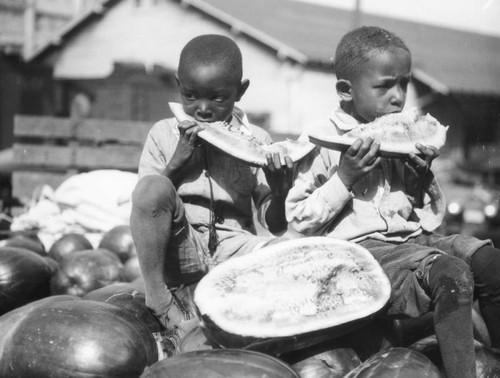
x=344, y=89
x=243, y=88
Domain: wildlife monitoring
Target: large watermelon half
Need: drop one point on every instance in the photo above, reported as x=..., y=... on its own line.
x=290, y=295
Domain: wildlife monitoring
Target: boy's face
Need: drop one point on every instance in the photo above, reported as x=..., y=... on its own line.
x=208, y=93
x=381, y=86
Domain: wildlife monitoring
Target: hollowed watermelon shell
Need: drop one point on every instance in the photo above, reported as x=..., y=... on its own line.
x=291, y=294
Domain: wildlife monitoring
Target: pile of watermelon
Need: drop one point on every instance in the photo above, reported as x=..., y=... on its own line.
x=74, y=310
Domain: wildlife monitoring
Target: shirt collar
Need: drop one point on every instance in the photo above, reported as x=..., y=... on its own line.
x=240, y=117
x=342, y=120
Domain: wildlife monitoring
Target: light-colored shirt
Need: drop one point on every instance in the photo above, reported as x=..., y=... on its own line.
x=381, y=205
x=233, y=184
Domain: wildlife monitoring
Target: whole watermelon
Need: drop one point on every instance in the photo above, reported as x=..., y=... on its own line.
x=396, y=363
x=221, y=363
x=128, y=296
x=119, y=240
x=67, y=244
x=331, y=363
x=132, y=269
x=31, y=242
x=25, y=276
x=71, y=337
x=84, y=271
x=487, y=360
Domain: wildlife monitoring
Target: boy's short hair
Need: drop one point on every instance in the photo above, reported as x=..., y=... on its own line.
x=355, y=47
x=211, y=49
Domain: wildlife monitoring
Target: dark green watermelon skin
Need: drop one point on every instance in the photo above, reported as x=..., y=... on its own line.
x=68, y=244
x=30, y=242
x=25, y=276
x=130, y=297
x=83, y=271
x=487, y=361
x=74, y=338
x=332, y=362
x=396, y=363
x=221, y=363
x=278, y=345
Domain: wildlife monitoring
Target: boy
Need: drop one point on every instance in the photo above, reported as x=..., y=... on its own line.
x=391, y=206
x=192, y=206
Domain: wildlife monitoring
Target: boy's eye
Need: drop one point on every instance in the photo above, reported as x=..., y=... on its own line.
x=189, y=96
x=383, y=85
x=219, y=98
x=405, y=82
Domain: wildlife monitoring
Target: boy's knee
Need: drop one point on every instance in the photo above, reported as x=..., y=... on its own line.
x=153, y=192
x=452, y=278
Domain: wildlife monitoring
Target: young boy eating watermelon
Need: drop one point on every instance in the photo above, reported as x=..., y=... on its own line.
x=192, y=206
x=391, y=206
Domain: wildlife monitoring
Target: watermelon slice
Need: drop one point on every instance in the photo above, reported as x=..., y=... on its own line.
x=241, y=145
x=291, y=294
x=397, y=133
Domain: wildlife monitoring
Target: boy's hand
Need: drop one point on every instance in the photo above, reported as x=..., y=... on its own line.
x=188, y=142
x=359, y=159
x=279, y=177
x=421, y=164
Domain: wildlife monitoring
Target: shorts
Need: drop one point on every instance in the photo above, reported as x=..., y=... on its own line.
x=188, y=259
x=407, y=266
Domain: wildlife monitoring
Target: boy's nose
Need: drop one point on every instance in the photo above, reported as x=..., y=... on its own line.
x=398, y=97
x=203, y=111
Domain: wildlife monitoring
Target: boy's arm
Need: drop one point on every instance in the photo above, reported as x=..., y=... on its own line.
x=422, y=188
x=324, y=182
x=418, y=174
x=187, y=144
x=279, y=178
x=317, y=195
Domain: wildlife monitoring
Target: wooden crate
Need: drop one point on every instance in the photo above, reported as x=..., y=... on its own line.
x=47, y=150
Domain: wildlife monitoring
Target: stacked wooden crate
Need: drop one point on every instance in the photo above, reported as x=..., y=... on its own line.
x=47, y=150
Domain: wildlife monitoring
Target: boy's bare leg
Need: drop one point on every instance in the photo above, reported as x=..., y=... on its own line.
x=150, y=223
x=485, y=264
x=451, y=285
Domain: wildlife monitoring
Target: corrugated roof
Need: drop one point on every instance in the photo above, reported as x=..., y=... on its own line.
x=308, y=33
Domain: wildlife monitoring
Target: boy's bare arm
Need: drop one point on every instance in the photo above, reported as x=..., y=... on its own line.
x=279, y=178
x=419, y=167
x=359, y=159
x=188, y=142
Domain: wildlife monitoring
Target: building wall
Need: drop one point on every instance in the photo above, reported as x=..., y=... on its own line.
x=284, y=96
x=129, y=93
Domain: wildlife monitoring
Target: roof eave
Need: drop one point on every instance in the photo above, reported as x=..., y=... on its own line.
x=71, y=28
